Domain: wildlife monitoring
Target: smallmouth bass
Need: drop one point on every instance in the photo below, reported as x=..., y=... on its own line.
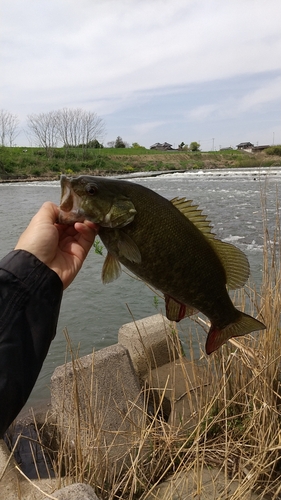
x=168, y=244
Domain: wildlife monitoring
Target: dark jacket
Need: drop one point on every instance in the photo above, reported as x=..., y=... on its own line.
x=30, y=298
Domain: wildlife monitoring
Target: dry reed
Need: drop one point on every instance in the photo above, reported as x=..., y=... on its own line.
x=232, y=424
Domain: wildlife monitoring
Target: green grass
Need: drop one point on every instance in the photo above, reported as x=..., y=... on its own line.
x=23, y=163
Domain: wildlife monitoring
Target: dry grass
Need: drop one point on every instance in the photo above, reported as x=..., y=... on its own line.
x=233, y=423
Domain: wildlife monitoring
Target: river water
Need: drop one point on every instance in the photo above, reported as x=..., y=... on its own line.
x=92, y=312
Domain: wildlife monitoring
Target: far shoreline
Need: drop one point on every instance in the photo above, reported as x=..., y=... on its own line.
x=131, y=175
x=41, y=165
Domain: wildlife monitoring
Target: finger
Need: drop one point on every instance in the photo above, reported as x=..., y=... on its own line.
x=85, y=225
x=86, y=236
x=64, y=230
x=47, y=213
x=91, y=224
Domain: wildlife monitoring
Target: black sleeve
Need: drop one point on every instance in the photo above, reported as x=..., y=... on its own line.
x=30, y=298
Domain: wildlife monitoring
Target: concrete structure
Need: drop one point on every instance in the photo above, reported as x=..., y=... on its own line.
x=100, y=411
x=151, y=342
x=101, y=394
x=212, y=486
x=13, y=486
x=185, y=385
x=104, y=391
x=75, y=491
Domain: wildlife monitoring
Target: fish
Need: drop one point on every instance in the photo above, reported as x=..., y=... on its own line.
x=169, y=244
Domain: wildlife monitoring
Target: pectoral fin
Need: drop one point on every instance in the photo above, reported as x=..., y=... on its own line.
x=127, y=248
x=111, y=269
x=176, y=311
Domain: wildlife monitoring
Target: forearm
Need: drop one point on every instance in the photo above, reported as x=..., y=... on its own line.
x=30, y=297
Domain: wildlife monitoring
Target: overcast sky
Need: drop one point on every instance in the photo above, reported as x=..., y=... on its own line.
x=155, y=71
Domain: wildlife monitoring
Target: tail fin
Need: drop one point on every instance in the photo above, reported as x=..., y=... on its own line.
x=244, y=324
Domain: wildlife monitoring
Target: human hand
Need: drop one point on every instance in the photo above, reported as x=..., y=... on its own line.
x=61, y=247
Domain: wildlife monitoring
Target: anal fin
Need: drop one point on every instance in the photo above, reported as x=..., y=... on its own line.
x=175, y=310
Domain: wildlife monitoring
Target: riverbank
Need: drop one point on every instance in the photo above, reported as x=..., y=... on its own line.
x=33, y=164
x=139, y=416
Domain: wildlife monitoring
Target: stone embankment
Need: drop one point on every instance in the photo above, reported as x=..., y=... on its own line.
x=99, y=405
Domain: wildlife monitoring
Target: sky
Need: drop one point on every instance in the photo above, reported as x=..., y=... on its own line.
x=153, y=70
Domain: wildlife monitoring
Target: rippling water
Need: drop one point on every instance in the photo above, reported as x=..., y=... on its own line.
x=93, y=312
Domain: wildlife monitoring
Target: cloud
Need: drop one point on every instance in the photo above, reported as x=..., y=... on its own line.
x=270, y=92
x=147, y=127
x=110, y=56
x=242, y=103
x=201, y=113
x=133, y=45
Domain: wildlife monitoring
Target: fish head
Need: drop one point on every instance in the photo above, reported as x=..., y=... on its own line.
x=94, y=199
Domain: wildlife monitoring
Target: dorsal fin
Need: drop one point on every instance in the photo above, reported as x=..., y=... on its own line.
x=234, y=261
x=195, y=215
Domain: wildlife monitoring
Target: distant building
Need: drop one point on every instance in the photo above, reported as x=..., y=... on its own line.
x=250, y=148
x=245, y=146
x=261, y=148
x=162, y=147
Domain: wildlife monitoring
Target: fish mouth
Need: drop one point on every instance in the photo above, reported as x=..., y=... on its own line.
x=67, y=197
x=70, y=211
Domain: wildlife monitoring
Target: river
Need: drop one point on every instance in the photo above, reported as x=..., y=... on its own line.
x=92, y=312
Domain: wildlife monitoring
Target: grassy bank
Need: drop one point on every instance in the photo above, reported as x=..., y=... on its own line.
x=26, y=163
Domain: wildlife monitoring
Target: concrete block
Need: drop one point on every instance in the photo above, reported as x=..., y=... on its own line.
x=184, y=384
x=9, y=477
x=213, y=485
x=98, y=403
x=77, y=491
x=151, y=342
x=13, y=486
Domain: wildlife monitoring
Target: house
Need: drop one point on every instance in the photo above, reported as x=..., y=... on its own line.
x=260, y=148
x=162, y=147
x=245, y=146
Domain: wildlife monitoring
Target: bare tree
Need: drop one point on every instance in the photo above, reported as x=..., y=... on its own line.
x=71, y=127
x=78, y=127
x=44, y=128
x=8, y=127
x=92, y=127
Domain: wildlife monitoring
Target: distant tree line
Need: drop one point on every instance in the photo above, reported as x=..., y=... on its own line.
x=69, y=127
x=118, y=143
x=194, y=146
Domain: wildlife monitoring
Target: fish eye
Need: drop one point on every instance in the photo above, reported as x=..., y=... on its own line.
x=91, y=189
